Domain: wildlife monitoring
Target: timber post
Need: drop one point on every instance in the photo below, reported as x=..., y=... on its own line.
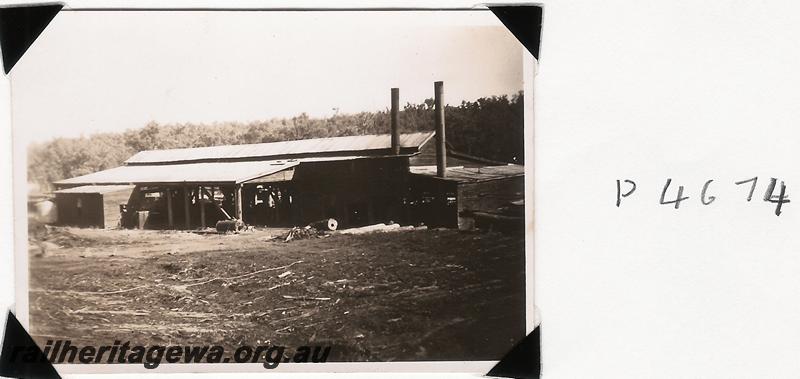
x=202, y=205
x=441, y=145
x=170, y=215
x=187, y=216
x=237, y=193
x=395, y=122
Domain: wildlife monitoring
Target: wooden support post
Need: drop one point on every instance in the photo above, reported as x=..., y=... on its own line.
x=186, y=204
x=170, y=215
x=441, y=146
x=237, y=194
x=395, y=121
x=202, y=204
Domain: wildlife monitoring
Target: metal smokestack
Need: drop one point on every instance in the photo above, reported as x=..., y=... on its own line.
x=395, y=121
x=438, y=118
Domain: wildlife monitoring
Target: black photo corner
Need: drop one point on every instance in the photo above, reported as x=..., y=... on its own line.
x=524, y=359
x=20, y=357
x=19, y=28
x=524, y=22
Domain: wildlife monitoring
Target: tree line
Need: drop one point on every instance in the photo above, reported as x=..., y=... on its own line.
x=489, y=127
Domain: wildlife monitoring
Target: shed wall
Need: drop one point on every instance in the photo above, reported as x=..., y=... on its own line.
x=355, y=192
x=490, y=195
x=487, y=196
x=80, y=209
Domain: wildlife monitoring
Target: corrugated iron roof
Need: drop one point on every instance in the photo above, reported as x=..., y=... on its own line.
x=210, y=172
x=473, y=174
x=272, y=150
x=95, y=189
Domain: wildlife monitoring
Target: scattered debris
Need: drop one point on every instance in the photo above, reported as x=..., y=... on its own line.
x=87, y=292
x=226, y=289
x=243, y=275
x=316, y=229
x=126, y=313
x=277, y=286
x=298, y=233
x=306, y=298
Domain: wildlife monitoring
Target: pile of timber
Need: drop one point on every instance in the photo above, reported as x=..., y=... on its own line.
x=324, y=228
x=298, y=233
x=312, y=230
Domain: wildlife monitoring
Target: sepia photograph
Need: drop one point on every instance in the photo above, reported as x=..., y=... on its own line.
x=348, y=186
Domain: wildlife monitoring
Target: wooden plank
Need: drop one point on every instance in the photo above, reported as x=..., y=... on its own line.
x=222, y=210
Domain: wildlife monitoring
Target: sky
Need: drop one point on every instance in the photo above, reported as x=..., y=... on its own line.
x=101, y=71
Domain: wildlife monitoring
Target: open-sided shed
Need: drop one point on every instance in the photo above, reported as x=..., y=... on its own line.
x=453, y=200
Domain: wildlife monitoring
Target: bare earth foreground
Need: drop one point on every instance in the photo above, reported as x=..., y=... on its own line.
x=414, y=295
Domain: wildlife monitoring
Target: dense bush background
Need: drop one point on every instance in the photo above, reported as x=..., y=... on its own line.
x=490, y=127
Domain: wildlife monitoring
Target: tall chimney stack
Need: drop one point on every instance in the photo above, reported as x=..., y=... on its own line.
x=441, y=148
x=395, y=121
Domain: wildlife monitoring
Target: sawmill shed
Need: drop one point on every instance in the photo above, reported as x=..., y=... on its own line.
x=357, y=180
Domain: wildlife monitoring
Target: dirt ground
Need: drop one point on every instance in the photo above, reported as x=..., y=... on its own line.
x=413, y=295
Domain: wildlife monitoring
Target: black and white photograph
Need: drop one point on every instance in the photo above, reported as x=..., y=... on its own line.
x=348, y=186
x=394, y=189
